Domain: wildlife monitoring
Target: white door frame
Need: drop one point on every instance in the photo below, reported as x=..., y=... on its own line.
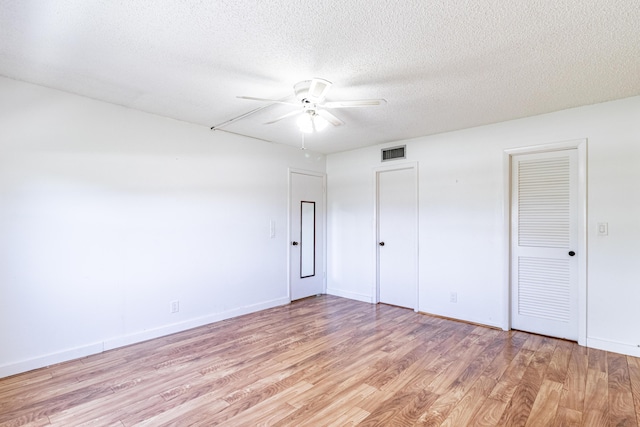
x=581, y=146
x=323, y=238
x=376, y=258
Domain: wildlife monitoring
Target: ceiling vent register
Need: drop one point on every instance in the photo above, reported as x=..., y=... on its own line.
x=394, y=153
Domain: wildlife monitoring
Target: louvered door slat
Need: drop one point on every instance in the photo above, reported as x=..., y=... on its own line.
x=543, y=200
x=544, y=286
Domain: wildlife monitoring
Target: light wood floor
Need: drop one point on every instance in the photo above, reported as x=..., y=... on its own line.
x=331, y=361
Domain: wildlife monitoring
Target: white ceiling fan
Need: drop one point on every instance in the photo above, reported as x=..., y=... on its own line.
x=311, y=106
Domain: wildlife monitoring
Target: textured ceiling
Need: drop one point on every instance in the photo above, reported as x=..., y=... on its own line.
x=441, y=65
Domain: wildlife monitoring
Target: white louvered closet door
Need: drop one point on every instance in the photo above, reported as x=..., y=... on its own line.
x=544, y=258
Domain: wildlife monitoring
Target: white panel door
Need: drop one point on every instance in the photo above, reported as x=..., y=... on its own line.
x=307, y=235
x=397, y=210
x=544, y=258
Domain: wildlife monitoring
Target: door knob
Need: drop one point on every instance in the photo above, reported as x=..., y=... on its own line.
x=294, y=243
x=571, y=253
x=381, y=243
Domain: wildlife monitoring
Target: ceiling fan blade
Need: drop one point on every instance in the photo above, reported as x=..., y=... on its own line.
x=293, y=113
x=354, y=103
x=277, y=101
x=318, y=89
x=329, y=117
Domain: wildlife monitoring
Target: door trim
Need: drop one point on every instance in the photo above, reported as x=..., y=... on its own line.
x=581, y=146
x=323, y=238
x=374, y=244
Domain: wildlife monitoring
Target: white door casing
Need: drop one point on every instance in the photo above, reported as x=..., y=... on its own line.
x=306, y=243
x=396, y=213
x=547, y=254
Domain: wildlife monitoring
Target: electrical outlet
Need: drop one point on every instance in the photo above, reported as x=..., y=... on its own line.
x=453, y=297
x=603, y=229
x=174, y=307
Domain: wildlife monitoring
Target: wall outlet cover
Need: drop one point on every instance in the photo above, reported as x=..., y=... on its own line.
x=174, y=306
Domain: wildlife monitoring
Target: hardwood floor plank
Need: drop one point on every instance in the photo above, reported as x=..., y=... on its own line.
x=188, y=413
x=490, y=413
x=559, y=365
x=26, y=422
x=390, y=408
x=517, y=411
x=330, y=385
x=422, y=373
x=417, y=407
x=349, y=398
x=16, y=383
x=508, y=382
x=452, y=404
x=274, y=408
x=575, y=383
x=596, y=399
x=416, y=377
x=394, y=365
x=597, y=359
x=634, y=378
x=545, y=406
x=54, y=401
x=128, y=399
x=351, y=417
x=513, y=342
x=467, y=408
x=567, y=418
x=621, y=408
x=323, y=395
x=460, y=356
x=451, y=401
x=256, y=418
x=332, y=361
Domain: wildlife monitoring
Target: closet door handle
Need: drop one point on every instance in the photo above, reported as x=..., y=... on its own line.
x=294, y=243
x=381, y=243
x=571, y=253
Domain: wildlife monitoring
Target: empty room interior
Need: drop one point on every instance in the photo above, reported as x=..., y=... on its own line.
x=319, y=213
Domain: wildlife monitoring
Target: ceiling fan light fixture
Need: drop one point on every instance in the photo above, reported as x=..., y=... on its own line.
x=311, y=122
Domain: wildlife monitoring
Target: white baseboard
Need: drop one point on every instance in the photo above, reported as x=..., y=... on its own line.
x=468, y=319
x=149, y=334
x=50, y=359
x=121, y=341
x=614, y=346
x=350, y=295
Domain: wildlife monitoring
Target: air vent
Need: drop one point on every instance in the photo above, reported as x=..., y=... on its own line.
x=394, y=153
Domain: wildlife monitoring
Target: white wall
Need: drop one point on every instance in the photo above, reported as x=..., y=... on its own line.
x=462, y=225
x=107, y=214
